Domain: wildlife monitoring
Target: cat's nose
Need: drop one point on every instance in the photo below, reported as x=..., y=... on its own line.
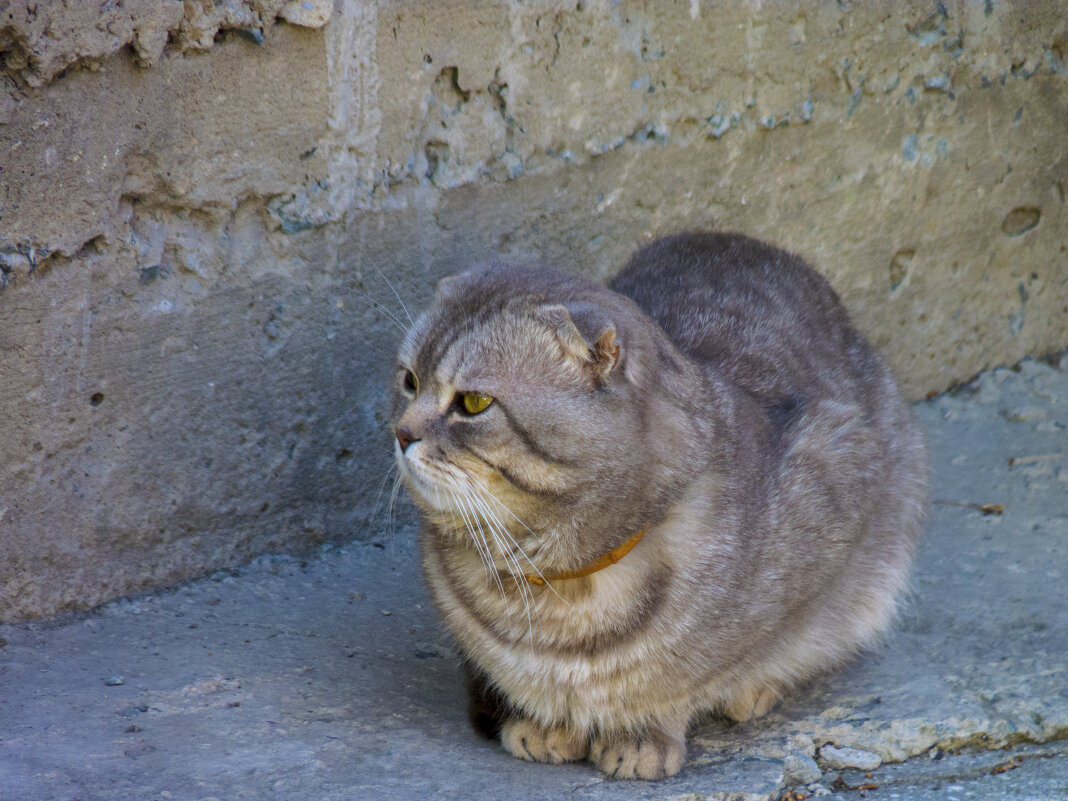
x=405, y=437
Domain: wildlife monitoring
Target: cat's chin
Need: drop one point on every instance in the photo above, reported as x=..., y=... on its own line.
x=425, y=491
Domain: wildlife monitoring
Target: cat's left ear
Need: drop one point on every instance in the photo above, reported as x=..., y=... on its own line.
x=446, y=287
x=600, y=358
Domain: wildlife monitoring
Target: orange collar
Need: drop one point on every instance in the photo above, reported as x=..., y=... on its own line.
x=607, y=560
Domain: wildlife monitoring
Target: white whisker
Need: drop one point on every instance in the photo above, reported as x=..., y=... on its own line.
x=494, y=523
x=374, y=304
x=474, y=504
x=394, y=291
x=480, y=543
x=479, y=511
x=511, y=560
x=381, y=488
x=500, y=503
x=479, y=492
x=492, y=563
x=390, y=516
x=504, y=530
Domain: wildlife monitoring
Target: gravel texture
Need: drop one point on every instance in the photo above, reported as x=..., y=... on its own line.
x=331, y=679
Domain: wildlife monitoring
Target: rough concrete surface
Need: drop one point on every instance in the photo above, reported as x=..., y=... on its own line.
x=331, y=679
x=40, y=39
x=201, y=203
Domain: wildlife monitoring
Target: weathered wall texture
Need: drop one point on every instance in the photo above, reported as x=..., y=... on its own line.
x=200, y=205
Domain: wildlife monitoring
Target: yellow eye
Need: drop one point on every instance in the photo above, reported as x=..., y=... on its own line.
x=475, y=402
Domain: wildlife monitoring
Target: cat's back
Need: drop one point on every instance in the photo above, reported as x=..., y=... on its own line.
x=828, y=463
x=756, y=313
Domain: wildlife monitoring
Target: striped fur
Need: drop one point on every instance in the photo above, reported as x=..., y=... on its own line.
x=714, y=394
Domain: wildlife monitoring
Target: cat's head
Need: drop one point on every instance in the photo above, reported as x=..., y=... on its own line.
x=519, y=410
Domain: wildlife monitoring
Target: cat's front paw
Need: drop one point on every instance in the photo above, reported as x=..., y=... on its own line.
x=750, y=702
x=535, y=743
x=654, y=756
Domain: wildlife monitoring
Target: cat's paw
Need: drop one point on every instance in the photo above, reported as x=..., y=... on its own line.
x=654, y=756
x=749, y=703
x=535, y=743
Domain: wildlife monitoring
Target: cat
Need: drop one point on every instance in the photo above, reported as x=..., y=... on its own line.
x=685, y=492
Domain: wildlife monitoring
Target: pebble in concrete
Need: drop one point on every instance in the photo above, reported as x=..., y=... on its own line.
x=845, y=758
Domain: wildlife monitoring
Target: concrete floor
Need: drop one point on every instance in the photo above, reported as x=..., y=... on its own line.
x=331, y=679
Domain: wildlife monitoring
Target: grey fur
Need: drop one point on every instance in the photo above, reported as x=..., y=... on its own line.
x=715, y=395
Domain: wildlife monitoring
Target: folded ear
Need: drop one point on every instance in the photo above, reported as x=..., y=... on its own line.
x=559, y=321
x=601, y=357
x=606, y=352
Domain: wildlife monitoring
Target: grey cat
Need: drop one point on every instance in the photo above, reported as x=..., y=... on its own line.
x=686, y=492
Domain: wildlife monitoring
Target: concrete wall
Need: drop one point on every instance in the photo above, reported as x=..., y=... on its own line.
x=200, y=206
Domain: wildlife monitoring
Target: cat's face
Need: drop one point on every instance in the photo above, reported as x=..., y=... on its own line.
x=509, y=421
x=489, y=408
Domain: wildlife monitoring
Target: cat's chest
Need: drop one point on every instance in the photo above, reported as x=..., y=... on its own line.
x=573, y=616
